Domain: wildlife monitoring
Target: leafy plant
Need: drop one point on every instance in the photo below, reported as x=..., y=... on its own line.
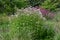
x=4, y=28
x=21, y=3
x=30, y=27
x=51, y=5
x=7, y=7
x=35, y=2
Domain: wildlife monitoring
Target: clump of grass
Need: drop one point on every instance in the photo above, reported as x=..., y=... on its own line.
x=4, y=28
x=30, y=27
x=26, y=26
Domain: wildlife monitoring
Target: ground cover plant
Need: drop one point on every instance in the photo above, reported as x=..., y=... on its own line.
x=29, y=20
x=28, y=26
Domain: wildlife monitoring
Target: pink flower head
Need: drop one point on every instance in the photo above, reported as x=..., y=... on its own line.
x=44, y=11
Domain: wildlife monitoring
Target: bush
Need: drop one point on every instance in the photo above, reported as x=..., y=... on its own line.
x=4, y=28
x=45, y=32
x=35, y=2
x=1, y=6
x=30, y=27
x=51, y=5
x=7, y=7
x=21, y=4
x=57, y=37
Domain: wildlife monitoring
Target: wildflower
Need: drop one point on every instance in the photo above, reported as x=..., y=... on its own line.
x=44, y=11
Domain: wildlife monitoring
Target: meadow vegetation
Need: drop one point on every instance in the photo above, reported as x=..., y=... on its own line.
x=19, y=21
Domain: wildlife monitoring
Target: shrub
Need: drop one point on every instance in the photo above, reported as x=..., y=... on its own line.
x=1, y=6
x=30, y=27
x=47, y=13
x=7, y=7
x=45, y=32
x=35, y=2
x=57, y=37
x=21, y=4
x=51, y=5
x=4, y=28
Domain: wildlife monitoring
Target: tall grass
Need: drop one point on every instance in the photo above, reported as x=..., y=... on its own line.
x=4, y=28
x=26, y=26
x=30, y=27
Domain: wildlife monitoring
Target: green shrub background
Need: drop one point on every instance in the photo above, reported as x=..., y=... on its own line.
x=9, y=6
x=26, y=27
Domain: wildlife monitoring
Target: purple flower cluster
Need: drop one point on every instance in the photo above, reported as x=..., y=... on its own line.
x=44, y=11
x=47, y=13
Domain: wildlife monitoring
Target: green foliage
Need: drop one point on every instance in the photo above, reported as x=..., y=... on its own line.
x=27, y=27
x=35, y=2
x=7, y=6
x=1, y=6
x=51, y=5
x=45, y=32
x=57, y=37
x=21, y=4
x=4, y=28
x=48, y=4
x=30, y=27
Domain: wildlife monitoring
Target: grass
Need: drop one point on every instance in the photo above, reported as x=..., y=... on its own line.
x=27, y=26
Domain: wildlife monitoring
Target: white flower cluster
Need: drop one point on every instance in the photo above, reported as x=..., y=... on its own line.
x=28, y=11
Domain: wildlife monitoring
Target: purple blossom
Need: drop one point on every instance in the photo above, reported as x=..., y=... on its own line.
x=44, y=11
